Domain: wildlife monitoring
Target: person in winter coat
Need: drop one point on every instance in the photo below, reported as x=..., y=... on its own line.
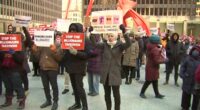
x=11, y=64
x=49, y=58
x=75, y=62
x=187, y=73
x=174, y=51
x=0, y=82
x=35, y=62
x=129, y=59
x=27, y=43
x=140, y=55
x=152, y=66
x=111, y=67
x=94, y=70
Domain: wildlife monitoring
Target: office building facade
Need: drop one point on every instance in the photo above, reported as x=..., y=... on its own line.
x=41, y=11
x=157, y=13
x=74, y=11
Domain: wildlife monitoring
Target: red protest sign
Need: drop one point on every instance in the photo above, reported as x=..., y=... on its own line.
x=75, y=40
x=10, y=41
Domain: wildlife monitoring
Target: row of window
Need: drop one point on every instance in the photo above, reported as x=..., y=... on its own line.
x=35, y=16
x=164, y=1
x=39, y=11
x=164, y=11
x=159, y=11
x=150, y=1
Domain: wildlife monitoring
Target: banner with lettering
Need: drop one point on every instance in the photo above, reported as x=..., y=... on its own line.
x=22, y=20
x=10, y=41
x=75, y=40
x=171, y=27
x=44, y=38
x=106, y=21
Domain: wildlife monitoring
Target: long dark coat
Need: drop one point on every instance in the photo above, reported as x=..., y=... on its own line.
x=152, y=66
x=174, y=50
x=111, y=63
x=187, y=73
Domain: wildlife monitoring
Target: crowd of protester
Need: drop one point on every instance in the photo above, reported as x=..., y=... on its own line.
x=104, y=60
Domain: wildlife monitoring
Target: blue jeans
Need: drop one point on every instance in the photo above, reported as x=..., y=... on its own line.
x=93, y=82
x=12, y=81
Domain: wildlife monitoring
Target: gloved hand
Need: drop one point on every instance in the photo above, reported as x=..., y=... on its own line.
x=72, y=50
x=11, y=51
x=90, y=29
x=122, y=27
x=53, y=48
x=24, y=29
x=34, y=48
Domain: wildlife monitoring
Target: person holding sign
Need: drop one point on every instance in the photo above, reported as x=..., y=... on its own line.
x=49, y=58
x=111, y=66
x=11, y=63
x=0, y=83
x=12, y=58
x=75, y=63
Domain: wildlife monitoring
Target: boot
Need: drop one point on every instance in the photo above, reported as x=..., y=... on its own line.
x=159, y=96
x=126, y=82
x=85, y=108
x=46, y=104
x=8, y=101
x=55, y=106
x=74, y=107
x=22, y=103
x=130, y=80
x=167, y=78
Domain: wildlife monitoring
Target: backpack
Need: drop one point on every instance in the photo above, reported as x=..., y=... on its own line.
x=160, y=56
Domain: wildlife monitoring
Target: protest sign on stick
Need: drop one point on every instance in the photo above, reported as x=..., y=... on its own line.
x=44, y=38
x=75, y=40
x=21, y=21
x=10, y=41
x=106, y=21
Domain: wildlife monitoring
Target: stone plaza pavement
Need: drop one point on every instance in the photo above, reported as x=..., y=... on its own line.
x=130, y=99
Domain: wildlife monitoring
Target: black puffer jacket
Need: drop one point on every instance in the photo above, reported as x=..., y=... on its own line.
x=174, y=49
x=76, y=64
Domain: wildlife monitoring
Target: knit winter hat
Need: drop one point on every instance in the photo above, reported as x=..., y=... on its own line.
x=154, y=39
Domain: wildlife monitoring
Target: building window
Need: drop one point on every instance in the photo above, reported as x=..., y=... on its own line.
x=165, y=1
x=147, y=11
x=165, y=11
x=143, y=1
x=160, y=11
x=151, y=11
x=138, y=10
x=184, y=11
x=143, y=11
x=156, y=11
x=156, y=1
x=179, y=1
x=152, y=1
x=174, y=11
x=179, y=12
x=161, y=1
x=170, y=11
